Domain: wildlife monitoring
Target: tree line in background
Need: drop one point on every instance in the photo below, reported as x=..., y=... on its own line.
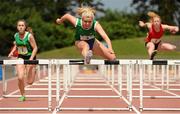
x=169, y=10
x=41, y=16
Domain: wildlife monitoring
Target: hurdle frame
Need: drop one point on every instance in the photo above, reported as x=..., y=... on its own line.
x=98, y=62
x=156, y=62
x=35, y=62
x=68, y=81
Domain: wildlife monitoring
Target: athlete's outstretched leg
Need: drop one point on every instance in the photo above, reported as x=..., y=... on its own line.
x=167, y=47
x=101, y=50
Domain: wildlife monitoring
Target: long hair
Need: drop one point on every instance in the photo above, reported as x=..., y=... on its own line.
x=29, y=29
x=86, y=11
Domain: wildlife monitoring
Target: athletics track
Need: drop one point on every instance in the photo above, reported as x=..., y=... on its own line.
x=92, y=92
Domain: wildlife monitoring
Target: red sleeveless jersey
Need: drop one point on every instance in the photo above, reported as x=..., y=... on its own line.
x=152, y=34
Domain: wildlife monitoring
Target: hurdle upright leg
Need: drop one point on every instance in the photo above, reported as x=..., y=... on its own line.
x=112, y=75
x=109, y=73
x=49, y=87
x=120, y=79
x=58, y=92
x=163, y=76
x=175, y=72
x=4, y=80
x=167, y=77
x=141, y=85
x=130, y=86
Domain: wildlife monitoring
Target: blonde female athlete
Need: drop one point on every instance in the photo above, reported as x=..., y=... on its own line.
x=27, y=49
x=156, y=30
x=86, y=27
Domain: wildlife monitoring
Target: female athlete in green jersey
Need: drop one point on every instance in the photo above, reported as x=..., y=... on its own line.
x=27, y=49
x=86, y=27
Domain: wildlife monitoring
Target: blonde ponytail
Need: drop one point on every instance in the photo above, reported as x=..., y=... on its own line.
x=152, y=14
x=86, y=11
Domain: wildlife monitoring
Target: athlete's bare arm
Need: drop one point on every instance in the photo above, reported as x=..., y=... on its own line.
x=143, y=24
x=102, y=33
x=12, y=51
x=172, y=29
x=67, y=17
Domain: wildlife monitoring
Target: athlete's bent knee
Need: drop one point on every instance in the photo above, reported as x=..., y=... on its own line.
x=20, y=78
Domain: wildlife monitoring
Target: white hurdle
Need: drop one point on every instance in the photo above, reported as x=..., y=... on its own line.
x=159, y=74
x=110, y=80
x=36, y=62
x=165, y=73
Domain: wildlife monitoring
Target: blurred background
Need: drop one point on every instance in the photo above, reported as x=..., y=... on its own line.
x=119, y=18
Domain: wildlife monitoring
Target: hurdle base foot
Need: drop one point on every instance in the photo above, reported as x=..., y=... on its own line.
x=140, y=109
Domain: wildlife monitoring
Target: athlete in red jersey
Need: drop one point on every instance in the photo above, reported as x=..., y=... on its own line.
x=156, y=29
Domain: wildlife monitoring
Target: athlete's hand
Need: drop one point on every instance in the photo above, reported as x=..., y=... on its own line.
x=58, y=20
x=141, y=24
x=174, y=30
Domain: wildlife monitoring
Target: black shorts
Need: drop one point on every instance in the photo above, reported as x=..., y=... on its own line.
x=156, y=45
x=25, y=57
x=90, y=43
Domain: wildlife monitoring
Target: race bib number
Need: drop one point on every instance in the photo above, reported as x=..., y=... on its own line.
x=86, y=37
x=22, y=50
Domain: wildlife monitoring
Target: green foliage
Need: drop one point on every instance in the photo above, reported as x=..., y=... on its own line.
x=47, y=34
x=169, y=10
x=124, y=48
x=119, y=25
x=40, y=16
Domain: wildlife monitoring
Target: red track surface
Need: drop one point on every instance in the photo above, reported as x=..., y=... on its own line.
x=86, y=102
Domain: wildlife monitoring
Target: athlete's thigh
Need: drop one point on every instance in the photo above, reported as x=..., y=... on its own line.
x=101, y=50
x=97, y=48
x=81, y=44
x=166, y=46
x=20, y=70
x=150, y=45
x=20, y=67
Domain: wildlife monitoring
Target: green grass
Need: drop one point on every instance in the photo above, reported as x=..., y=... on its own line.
x=124, y=49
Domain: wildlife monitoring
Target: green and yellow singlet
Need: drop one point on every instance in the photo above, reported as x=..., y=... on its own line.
x=23, y=44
